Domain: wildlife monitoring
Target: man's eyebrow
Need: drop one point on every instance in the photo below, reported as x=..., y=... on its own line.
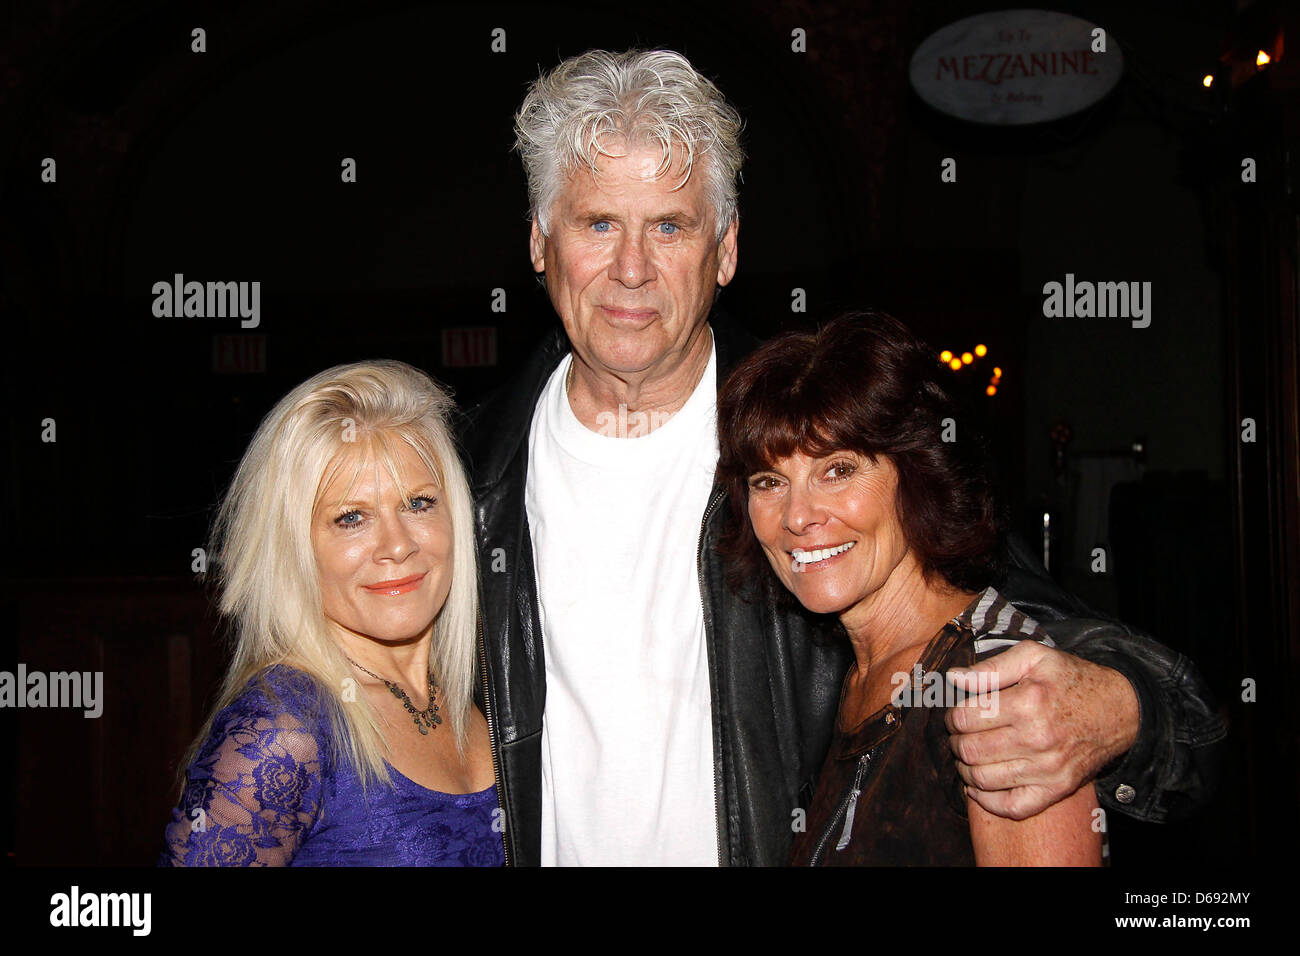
x=678, y=217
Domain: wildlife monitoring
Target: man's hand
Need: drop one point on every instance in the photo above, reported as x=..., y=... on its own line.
x=1054, y=723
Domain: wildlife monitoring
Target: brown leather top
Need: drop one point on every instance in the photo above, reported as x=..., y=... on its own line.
x=910, y=811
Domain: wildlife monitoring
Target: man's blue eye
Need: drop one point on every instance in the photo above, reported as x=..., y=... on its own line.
x=600, y=226
x=668, y=228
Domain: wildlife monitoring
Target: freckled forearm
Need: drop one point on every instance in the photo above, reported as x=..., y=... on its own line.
x=1118, y=715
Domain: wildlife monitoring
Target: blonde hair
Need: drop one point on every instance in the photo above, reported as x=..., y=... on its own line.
x=265, y=567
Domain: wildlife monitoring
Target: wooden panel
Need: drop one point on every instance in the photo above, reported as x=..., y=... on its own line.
x=98, y=790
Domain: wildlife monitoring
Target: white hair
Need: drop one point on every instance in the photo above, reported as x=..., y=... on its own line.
x=641, y=97
x=265, y=565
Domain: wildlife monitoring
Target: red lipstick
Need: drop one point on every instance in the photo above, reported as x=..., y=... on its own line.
x=397, y=586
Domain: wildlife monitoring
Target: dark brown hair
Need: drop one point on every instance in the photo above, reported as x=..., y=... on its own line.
x=862, y=383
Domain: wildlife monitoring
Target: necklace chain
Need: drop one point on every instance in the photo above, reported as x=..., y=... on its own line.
x=425, y=720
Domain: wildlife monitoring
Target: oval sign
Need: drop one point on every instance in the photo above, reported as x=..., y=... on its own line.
x=1014, y=67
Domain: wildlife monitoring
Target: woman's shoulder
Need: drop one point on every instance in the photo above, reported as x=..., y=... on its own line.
x=278, y=697
x=997, y=624
x=287, y=683
x=277, y=689
x=255, y=788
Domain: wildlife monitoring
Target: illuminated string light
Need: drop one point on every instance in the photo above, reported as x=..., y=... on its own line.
x=1262, y=59
x=955, y=362
x=1208, y=80
x=992, y=388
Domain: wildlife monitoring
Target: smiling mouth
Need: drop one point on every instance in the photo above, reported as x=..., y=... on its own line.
x=397, y=586
x=804, y=561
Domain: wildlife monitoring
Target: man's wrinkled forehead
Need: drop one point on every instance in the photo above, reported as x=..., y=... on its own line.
x=639, y=180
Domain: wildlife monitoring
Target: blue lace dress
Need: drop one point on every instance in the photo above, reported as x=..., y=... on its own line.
x=272, y=793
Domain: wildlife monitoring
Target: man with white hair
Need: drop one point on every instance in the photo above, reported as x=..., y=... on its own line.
x=642, y=712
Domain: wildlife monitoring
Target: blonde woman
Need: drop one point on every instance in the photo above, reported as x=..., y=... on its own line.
x=345, y=732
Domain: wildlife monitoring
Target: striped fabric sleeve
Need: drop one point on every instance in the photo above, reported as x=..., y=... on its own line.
x=999, y=624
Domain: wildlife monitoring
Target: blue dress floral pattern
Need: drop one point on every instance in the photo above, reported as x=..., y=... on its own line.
x=266, y=789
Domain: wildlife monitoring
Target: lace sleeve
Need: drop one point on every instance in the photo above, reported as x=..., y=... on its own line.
x=252, y=794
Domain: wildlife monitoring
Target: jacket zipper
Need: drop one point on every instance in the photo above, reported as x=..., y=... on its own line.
x=708, y=646
x=846, y=810
x=492, y=741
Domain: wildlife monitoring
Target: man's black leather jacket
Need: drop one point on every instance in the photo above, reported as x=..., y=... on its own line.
x=774, y=671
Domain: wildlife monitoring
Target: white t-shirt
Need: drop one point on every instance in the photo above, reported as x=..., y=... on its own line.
x=627, y=750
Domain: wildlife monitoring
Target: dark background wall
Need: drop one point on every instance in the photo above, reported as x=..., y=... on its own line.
x=225, y=166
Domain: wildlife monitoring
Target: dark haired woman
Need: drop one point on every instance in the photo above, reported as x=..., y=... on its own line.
x=841, y=482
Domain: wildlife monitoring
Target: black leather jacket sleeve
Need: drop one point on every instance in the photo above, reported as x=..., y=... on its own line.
x=1172, y=768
